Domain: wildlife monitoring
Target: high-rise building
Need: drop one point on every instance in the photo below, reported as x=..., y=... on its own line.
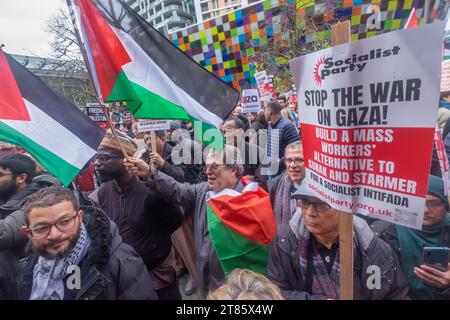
x=165, y=15
x=208, y=9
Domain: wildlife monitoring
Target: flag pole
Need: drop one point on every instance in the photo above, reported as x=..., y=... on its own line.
x=91, y=78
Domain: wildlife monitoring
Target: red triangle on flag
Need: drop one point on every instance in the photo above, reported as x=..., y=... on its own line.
x=12, y=106
x=413, y=20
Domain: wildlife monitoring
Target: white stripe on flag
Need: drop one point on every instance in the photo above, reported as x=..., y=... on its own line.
x=53, y=136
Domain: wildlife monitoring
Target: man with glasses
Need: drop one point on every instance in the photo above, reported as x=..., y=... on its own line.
x=305, y=263
x=224, y=170
x=425, y=281
x=285, y=184
x=77, y=255
x=18, y=181
x=145, y=220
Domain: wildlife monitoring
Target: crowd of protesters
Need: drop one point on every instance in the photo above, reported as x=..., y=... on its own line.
x=132, y=225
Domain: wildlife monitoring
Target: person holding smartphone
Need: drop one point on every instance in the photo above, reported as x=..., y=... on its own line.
x=426, y=281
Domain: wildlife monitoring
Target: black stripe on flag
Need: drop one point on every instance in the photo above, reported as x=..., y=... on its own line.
x=56, y=106
x=207, y=89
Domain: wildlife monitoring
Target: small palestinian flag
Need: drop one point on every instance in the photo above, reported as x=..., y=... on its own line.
x=42, y=122
x=131, y=61
x=242, y=227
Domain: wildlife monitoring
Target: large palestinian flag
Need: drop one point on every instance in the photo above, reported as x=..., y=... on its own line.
x=242, y=227
x=131, y=61
x=42, y=122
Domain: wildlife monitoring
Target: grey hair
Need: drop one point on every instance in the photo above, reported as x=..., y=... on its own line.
x=230, y=156
x=294, y=145
x=244, y=284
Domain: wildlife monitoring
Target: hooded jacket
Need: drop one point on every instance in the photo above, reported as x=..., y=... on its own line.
x=111, y=270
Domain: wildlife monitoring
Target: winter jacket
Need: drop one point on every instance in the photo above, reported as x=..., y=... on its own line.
x=284, y=265
x=388, y=232
x=288, y=134
x=193, y=199
x=145, y=220
x=12, y=240
x=168, y=168
x=111, y=270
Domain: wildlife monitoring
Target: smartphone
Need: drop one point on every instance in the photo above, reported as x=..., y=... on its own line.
x=437, y=257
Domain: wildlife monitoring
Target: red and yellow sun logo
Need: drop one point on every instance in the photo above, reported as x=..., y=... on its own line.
x=317, y=78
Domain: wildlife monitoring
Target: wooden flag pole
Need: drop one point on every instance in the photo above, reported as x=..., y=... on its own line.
x=340, y=33
x=90, y=71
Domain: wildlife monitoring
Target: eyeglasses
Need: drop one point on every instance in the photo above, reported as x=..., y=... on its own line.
x=212, y=166
x=293, y=161
x=320, y=207
x=435, y=205
x=43, y=230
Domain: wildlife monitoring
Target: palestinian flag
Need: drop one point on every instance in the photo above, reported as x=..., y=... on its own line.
x=42, y=122
x=131, y=61
x=242, y=227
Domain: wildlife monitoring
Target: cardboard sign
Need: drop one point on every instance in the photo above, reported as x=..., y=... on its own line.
x=95, y=112
x=368, y=118
x=153, y=125
x=250, y=101
x=263, y=85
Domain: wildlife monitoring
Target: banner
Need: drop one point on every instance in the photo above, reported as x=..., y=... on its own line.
x=153, y=125
x=250, y=101
x=368, y=117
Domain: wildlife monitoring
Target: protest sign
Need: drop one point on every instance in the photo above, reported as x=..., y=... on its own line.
x=153, y=125
x=443, y=160
x=95, y=112
x=445, y=76
x=250, y=101
x=263, y=85
x=368, y=116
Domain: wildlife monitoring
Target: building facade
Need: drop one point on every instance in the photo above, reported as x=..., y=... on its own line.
x=59, y=75
x=208, y=9
x=165, y=15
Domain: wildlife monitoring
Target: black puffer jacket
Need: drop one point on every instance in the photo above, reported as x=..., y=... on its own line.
x=12, y=241
x=284, y=266
x=111, y=270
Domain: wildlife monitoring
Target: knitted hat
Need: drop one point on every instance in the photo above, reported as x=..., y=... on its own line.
x=436, y=188
x=110, y=142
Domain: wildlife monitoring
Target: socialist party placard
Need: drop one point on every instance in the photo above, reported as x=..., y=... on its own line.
x=369, y=110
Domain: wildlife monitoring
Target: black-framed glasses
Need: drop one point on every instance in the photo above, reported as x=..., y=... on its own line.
x=321, y=207
x=43, y=230
x=289, y=161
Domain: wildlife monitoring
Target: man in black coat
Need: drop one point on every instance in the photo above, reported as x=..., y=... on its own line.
x=145, y=220
x=77, y=254
x=17, y=183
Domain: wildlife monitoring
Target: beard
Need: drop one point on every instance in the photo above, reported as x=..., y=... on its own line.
x=103, y=177
x=42, y=249
x=8, y=190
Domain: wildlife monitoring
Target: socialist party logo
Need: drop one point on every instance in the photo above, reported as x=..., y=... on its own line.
x=327, y=66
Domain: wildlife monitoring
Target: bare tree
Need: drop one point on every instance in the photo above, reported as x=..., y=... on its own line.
x=64, y=43
x=274, y=56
